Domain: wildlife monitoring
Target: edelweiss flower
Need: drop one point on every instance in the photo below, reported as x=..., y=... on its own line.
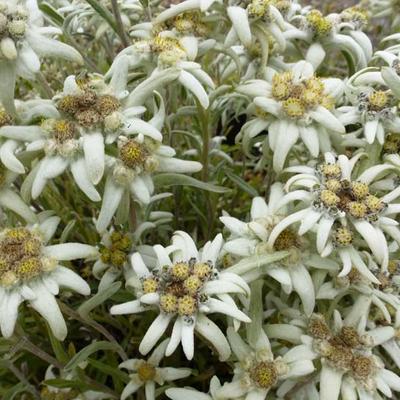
x=373, y=301
x=250, y=239
x=348, y=367
x=183, y=288
x=336, y=201
x=23, y=39
x=175, y=57
x=263, y=19
x=30, y=270
x=101, y=115
x=131, y=173
x=375, y=110
x=148, y=373
x=257, y=371
x=189, y=393
x=335, y=31
x=117, y=244
x=74, y=136
x=294, y=104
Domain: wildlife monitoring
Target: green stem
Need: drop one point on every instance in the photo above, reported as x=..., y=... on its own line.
x=38, y=352
x=204, y=125
x=120, y=25
x=99, y=328
x=21, y=377
x=104, y=13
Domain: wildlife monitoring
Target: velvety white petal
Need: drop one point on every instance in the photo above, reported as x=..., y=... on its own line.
x=324, y=229
x=93, y=148
x=218, y=306
x=169, y=164
x=45, y=304
x=185, y=244
x=213, y=249
x=187, y=339
x=211, y=332
x=176, y=337
x=130, y=307
x=140, y=190
x=290, y=333
x=48, y=227
x=150, y=390
x=7, y=156
x=392, y=379
x=232, y=390
x=330, y=383
x=111, y=199
x=70, y=251
x=50, y=167
x=367, y=231
x=310, y=219
x=370, y=129
x=303, y=285
x=52, y=48
x=22, y=133
x=193, y=85
x=259, y=207
x=240, y=22
x=11, y=200
x=153, y=334
x=284, y=145
x=309, y=135
x=185, y=394
x=9, y=304
x=327, y=119
x=82, y=179
x=69, y=279
x=130, y=388
x=136, y=125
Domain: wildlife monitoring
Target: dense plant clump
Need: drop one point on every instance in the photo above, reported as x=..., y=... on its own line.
x=199, y=200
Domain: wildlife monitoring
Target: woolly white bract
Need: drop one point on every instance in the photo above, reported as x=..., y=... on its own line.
x=199, y=199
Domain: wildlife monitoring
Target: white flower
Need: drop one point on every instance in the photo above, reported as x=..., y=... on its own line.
x=175, y=59
x=348, y=365
x=335, y=31
x=262, y=19
x=335, y=201
x=189, y=393
x=31, y=270
x=257, y=371
x=382, y=295
x=131, y=173
x=89, y=114
x=185, y=286
x=295, y=104
x=23, y=40
x=375, y=110
x=148, y=373
x=250, y=239
x=116, y=245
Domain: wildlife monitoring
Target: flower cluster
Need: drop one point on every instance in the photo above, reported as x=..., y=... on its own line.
x=199, y=199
